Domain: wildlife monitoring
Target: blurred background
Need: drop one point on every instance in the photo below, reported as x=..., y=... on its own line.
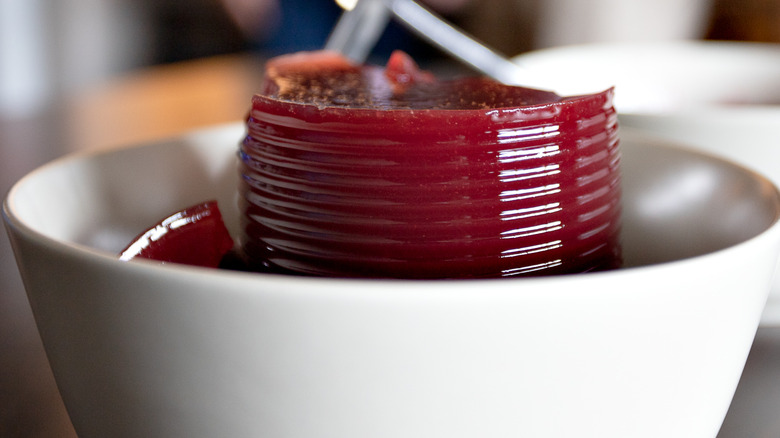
x=87, y=74
x=51, y=49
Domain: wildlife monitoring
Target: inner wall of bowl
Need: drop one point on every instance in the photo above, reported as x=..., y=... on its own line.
x=681, y=204
x=104, y=200
x=676, y=203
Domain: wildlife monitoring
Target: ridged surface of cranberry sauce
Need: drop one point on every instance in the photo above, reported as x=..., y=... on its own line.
x=368, y=172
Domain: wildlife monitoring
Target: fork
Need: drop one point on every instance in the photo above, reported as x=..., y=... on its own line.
x=358, y=30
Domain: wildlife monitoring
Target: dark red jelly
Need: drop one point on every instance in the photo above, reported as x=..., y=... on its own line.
x=370, y=172
x=194, y=236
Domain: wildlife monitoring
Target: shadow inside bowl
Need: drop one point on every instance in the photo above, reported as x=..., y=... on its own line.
x=679, y=204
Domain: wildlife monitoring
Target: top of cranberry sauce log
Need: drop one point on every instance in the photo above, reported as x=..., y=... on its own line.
x=327, y=79
x=352, y=170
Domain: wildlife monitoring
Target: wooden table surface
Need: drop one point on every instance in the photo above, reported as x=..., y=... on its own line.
x=163, y=102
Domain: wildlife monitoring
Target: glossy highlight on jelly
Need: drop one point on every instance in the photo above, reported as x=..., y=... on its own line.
x=443, y=179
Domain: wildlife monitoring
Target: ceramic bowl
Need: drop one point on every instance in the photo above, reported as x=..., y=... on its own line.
x=654, y=77
x=145, y=350
x=716, y=97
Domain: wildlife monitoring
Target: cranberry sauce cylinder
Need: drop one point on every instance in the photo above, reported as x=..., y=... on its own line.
x=361, y=171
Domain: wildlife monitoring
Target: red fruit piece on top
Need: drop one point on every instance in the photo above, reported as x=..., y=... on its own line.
x=194, y=236
x=401, y=70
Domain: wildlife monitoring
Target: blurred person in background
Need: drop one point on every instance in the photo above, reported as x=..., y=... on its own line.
x=284, y=26
x=512, y=27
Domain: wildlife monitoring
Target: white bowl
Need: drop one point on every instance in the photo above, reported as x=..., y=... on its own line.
x=652, y=77
x=717, y=97
x=144, y=350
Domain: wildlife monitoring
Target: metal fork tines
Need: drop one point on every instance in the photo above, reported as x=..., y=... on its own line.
x=358, y=30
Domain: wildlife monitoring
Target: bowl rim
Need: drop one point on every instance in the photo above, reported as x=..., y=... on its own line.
x=15, y=224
